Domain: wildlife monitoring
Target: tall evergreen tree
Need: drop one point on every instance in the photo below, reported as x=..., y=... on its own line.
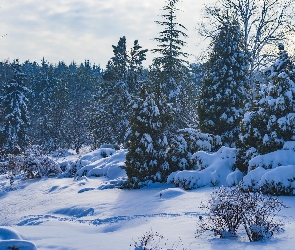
x=146, y=159
x=83, y=83
x=135, y=68
x=110, y=114
x=224, y=86
x=117, y=66
x=271, y=122
x=170, y=68
x=171, y=61
x=16, y=119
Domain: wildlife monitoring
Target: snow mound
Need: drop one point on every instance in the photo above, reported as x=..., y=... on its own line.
x=252, y=179
x=97, y=154
x=212, y=169
x=170, y=193
x=11, y=239
x=278, y=181
x=234, y=178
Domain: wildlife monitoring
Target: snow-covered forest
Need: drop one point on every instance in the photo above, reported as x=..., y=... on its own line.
x=83, y=145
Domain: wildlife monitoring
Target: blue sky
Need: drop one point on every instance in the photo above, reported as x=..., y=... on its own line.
x=70, y=30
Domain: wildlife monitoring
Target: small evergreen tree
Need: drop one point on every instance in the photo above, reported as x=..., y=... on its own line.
x=16, y=119
x=146, y=159
x=271, y=122
x=224, y=86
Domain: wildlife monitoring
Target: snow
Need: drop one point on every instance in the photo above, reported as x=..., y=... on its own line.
x=252, y=179
x=284, y=175
x=91, y=213
x=212, y=169
x=108, y=166
x=273, y=159
x=11, y=239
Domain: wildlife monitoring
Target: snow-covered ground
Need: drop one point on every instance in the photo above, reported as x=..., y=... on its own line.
x=91, y=213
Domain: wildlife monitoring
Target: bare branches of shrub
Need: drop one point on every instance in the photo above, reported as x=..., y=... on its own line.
x=230, y=208
x=155, y=241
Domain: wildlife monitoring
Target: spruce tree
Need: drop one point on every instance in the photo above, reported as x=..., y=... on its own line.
x=271, y=121
x=135, y=68
x=224, y=86
x=146, y=160
x=16, y=119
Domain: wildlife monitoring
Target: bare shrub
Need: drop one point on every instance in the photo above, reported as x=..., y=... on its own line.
x=230, y=208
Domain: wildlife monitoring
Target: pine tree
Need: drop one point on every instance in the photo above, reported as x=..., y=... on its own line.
x=146, y=159
x=16, y=119
x=135, y=67
x=116, y=68
x=224, y=86
x=110, y=113
x=170, y=68
x=271, y=122
x=170, y=46
x=83, y=82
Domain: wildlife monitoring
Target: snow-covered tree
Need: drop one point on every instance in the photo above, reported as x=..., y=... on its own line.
x=272, y=120
x=16, y=119
x=264, y=23
x=185, y=143
x=223, y=89
x=135, y=68
x=146, y=159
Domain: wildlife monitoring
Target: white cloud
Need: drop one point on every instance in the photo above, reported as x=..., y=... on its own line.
x=84, y=29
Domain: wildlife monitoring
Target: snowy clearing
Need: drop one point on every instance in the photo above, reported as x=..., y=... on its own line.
x=55, y=214
x=89, y=212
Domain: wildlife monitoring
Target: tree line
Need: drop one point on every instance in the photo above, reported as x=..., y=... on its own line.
x=240, y=95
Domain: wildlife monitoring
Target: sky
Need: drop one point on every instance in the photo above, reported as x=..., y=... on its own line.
x=76, y=30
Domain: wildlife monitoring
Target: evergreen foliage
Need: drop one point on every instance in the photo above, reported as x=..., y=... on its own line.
x=110, y=113
x=224, y=86
x=15, y=113
x=170, y=68
x=171, y=62
x=116, y=68
x=271, y=122
x=148, y=146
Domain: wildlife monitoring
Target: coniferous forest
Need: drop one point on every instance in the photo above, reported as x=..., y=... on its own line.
x=239, y=94
x=91, y=154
